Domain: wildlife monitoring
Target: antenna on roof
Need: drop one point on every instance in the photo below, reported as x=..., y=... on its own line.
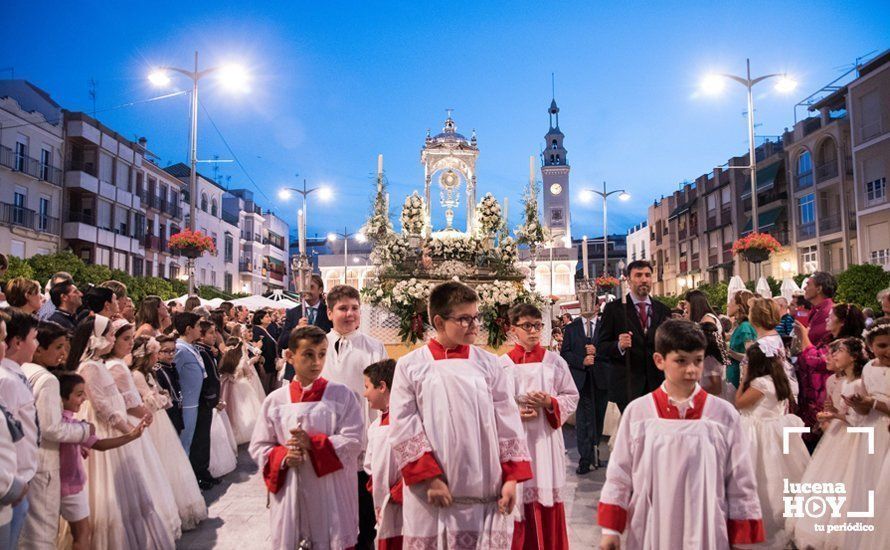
x=92, y=93
x=216, y=176
x=552, y=86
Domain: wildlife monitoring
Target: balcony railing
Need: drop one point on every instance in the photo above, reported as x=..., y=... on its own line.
x=82, y=217
x=806, y=230
x=276, y=275
x=712, y=220
x=30, y=166
x=681, y=234
x=713, y=259
x=245, y=266
x=82, y=166
x=830, y=224
x=19, y=216
x=826, y=171
x=727, y=252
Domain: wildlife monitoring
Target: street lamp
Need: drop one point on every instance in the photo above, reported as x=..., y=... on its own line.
x=586, y=196
x=359, y=237
x=324, y=193
x=233, y=77
x=715, y=83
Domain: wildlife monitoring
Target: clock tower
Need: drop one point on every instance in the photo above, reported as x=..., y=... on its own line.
x=555, y=175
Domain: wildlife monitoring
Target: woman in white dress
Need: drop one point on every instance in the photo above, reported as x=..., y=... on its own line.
x=242, y=403
x=151, y=465
x=762, y=401
x=124, y=514
x=189, y=501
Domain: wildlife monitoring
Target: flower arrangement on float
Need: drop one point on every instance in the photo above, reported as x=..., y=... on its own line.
x=412, y=214
x=495, y=300
x=488, y=216
x=191, y=244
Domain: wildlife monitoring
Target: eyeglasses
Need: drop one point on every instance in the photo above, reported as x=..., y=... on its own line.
x=467, y=320
x=531, y=327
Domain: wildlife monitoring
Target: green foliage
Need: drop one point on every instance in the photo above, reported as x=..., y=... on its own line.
x=717, y=295
x=92, y=274
x=775, y=286
x=669, y=301
x=17, y=268
x=860, y=284
x=210, y=292
x=799, y=278
x=150, y=286
x=47, y=265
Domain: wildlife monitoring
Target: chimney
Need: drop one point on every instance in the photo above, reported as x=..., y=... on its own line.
x=142, y=142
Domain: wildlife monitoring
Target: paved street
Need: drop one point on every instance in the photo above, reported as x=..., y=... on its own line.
x=238, y=517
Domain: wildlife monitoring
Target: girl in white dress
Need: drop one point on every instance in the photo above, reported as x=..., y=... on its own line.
x=834, y=460
x=189, y=501
x=251, y=355
x=151, y=465
x=124, y=515
x=763, y=400
x=242, y=403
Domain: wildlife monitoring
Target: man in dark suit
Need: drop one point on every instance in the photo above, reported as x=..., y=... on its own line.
x=591, y=376
x=627, y=337
x=316, y=312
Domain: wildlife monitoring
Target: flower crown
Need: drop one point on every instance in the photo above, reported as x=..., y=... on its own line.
x=147, y=348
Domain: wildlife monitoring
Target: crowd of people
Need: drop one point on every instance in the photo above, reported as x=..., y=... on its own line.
x=119, y=415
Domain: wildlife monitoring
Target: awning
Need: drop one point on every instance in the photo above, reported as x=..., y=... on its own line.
x=766, y=178
x=767, y=219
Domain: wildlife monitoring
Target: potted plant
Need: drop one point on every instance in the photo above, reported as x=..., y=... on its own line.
x=756, y=247
x=191, y=244
x=607, y=283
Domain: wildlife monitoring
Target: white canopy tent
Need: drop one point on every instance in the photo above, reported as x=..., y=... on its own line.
x=258, y=302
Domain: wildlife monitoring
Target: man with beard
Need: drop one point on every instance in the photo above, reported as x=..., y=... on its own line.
x=626, y=335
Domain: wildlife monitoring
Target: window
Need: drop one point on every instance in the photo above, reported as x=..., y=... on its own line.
x=18, y=205
x=106, y=167
x=870, y=119
x=553, y=144
x=880, y=257
x=542, y=279
x=807, y=208
x=227, y=278
x=174, y=272
x=103, y=256
x=120, y=260
x=712, y=202
x=203, y=275
x=562, y=279
x=122, y=175
x=809, y=259
x=333, y=278
x=21, y=152
x=46, y=159
x=724, y=196
x=804, y=170
x=43, y=213
x=213, y=207
x=204, y=202
x=229, y=248
x=212, y=277
x=876, y=190
x=137, y=268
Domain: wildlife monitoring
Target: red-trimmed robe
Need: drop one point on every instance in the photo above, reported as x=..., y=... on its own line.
x=385, y=485
x=681, y=483
x=453, y=415
x=317, y=499
x=543, y=522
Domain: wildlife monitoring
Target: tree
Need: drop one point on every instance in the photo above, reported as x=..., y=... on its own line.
x=47, y=265
x=92, y=274
x=860, y=284
x=775, y=286
x=669, y=301
x=17, y=268
x=717, y=295
x=150, y=286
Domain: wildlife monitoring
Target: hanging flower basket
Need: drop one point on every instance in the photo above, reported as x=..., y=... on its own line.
x=607, y=282
x=191, y=244
x=756, y=247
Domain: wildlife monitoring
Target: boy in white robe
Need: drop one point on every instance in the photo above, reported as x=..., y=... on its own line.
x=456, y=434
x=385, y=481
x=547, y=396
x=349, y=352
x=306, y=441
x=680, y=475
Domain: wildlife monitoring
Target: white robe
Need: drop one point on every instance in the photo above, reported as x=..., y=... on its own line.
x=347, y=367
x=680, y=483
x=462, y=412
x=381, y=465
x=322, y=509
x=545, y=443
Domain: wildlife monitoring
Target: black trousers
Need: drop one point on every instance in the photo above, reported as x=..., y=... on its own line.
x=199, y=453
x=367, y=520
x=589, y=418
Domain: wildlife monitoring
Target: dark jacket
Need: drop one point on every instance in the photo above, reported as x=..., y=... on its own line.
x=269, y=347
x=64, y=320
x=168, y=378
x=643, y=376
x=210, y=387
x=574, y=340
x=293, y=317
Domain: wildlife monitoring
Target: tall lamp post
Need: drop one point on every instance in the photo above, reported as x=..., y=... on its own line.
x=359, y=237
x=715, y=83
x=301, y=265
x=587, y=195
x=234, y=77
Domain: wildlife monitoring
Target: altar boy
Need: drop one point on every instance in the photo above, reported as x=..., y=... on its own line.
x=307, y=440
x=456, y=434
x=680, y=473
x=349, y=352
x=547, y=396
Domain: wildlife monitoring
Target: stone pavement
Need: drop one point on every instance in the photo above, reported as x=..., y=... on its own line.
x=238, y=518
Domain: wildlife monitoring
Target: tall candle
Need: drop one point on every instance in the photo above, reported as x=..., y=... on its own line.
x=506, y=207
x=531, y=172
x=380, y=164
x=584, y=257
x=301, y=228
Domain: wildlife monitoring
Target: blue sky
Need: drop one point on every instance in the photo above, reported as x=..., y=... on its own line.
x=336, y=83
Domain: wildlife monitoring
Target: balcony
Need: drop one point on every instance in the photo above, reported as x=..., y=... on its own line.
x=826, y=171
x=19, y=216
x=250, y=236
x=276, y=275
x=695, y=263
x=727, y=253
x=151, y=242
x=81, y=217
x=174, y=210
x=30, y=166
x=684, y=266
x=681, y=234
x=712, y=220
x=245, y=266
x=277, y=242
x=830, y=224
x=726, y=215
x=713, y=259
x=806, y=230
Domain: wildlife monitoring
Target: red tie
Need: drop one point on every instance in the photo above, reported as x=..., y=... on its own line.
x=644, y=316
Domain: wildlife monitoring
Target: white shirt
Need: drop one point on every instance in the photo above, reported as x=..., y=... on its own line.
x=16, y=395
x=684, y=405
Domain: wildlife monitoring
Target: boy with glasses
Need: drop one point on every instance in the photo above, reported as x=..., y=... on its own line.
x=547, y=396
x=456, y=433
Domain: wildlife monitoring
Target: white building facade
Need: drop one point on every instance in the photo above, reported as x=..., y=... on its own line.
x=638, y=242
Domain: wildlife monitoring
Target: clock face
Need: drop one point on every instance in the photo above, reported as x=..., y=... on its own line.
x=555, y=189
